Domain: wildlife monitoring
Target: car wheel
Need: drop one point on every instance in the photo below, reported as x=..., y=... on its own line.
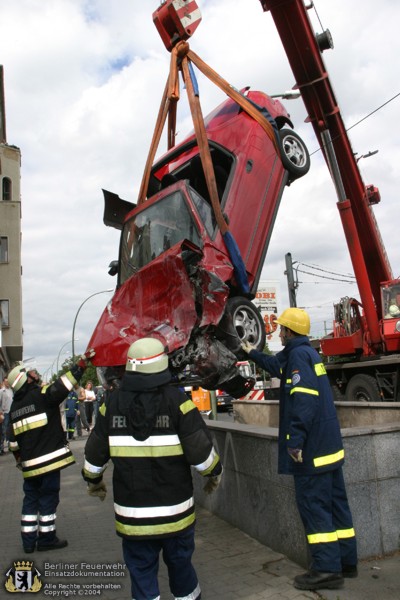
x=294, y=154
x=362, y=388
x=247, y=321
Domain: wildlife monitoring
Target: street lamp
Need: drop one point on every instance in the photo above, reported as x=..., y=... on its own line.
x=63, y=346
x=288, y=95
x=370, y=153
x=78, y=311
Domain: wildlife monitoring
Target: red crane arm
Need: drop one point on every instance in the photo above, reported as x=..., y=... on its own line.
x=304, y=55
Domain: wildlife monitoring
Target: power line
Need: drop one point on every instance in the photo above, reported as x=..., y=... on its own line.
x=374, y=111
x=363, y=119
x=322, y=282
x=326, y=270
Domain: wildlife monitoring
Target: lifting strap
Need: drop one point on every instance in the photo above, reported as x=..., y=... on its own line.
x=181, y=59
x=181, y=55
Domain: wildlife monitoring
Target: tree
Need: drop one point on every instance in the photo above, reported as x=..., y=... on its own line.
x=90, y=373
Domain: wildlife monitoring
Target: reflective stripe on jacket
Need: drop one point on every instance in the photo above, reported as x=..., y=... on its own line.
x=152, y=479
x=36, y=431
x=307, y=413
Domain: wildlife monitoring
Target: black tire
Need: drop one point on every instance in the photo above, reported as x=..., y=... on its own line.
x=362, y=388
x=294, y=154
x=338, y=395
x=247, y=321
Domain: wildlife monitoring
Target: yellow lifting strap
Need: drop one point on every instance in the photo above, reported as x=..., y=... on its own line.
x=180, y=57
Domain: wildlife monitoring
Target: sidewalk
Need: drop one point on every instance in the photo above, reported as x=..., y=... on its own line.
x=230, y=564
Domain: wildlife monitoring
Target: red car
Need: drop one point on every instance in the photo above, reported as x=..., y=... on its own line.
x=177, y=280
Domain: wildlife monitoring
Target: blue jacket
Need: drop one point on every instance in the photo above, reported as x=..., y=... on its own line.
x=307, y=413
x=71, y=405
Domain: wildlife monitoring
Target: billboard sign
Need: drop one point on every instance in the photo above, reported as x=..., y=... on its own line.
x=267, y=299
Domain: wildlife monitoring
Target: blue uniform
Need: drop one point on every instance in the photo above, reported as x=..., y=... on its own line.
x=308, y=421
x=71, y=406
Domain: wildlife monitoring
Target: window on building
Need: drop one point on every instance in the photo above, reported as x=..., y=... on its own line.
x=3, y=249
x=6, y=192
x=4, y=313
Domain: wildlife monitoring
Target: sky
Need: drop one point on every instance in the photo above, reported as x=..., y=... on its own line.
x=83, y=85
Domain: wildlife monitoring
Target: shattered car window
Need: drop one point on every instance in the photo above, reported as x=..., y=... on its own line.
x=153, y=231
x=205, y=211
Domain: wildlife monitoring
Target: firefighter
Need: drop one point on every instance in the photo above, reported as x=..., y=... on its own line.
x=37, y=441
x=311, y=449
x=153, y=434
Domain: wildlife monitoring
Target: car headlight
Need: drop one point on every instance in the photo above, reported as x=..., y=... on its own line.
x=397, y=327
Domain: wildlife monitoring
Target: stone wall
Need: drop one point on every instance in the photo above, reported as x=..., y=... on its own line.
x=254, y=498
x=350, y=414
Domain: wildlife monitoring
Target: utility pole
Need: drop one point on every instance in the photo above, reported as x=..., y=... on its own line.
x=292, y=284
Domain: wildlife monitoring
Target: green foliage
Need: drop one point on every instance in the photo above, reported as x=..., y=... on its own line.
x=89, y=374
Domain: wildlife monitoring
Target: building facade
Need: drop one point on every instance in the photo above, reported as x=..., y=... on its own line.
x=10, y=246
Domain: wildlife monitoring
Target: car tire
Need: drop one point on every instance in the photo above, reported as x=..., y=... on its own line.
x=294, y=154
x=248, y=323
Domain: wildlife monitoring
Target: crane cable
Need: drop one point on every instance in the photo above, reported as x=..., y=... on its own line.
x=181, y=58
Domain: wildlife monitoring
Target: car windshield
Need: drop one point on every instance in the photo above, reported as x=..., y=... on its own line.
x=153, y=231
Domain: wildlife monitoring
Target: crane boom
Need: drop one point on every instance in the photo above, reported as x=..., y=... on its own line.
x=304, y=55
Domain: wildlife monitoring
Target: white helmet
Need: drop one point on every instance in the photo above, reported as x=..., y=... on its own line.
x=146, y=355
x=394, y=310
x=17, y=377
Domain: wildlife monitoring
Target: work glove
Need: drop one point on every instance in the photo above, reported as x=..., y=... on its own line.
x=19, y=465
x=85, y=358
x=296, y=454
x=247, y=347
x=212, y=484
x=98, y=490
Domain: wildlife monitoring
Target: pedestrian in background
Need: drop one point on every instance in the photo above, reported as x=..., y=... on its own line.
x=71, y=408
x=38, y=444
x=90, y=398
x=311, y=449
x=6, y=398
x=81, y=420
x=153, y=434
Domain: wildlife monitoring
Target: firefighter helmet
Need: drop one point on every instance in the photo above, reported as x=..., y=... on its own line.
x=295, y=319
x=17, y=377
x=147, y=355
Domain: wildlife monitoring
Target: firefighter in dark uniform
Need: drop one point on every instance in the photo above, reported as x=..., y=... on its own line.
x=153, y=434
x=37, y=441
x=311, y=449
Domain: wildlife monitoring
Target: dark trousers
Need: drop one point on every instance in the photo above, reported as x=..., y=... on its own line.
x=325, y=512
x=3, y=431
x=70, y=426
x=42, y=495
x=89, y=412
x=80, y=420
x=142, y=559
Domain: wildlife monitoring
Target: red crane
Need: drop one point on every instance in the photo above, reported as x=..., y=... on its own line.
x=368, y=334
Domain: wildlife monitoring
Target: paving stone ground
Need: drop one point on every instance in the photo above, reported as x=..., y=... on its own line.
x=230, y=565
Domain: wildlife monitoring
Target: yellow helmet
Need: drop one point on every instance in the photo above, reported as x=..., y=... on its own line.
x=146, y=355
x=295, y=319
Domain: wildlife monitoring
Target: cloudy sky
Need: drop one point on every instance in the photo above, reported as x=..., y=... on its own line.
x=83, y=84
